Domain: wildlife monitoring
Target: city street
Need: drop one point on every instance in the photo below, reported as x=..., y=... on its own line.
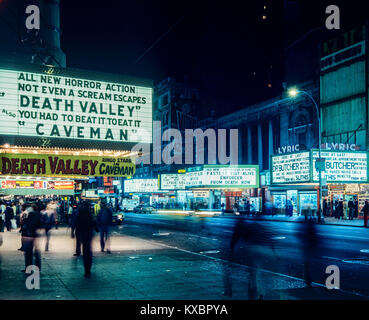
x=178, y=257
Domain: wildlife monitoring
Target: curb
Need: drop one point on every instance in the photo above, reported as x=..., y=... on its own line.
x=259, y=219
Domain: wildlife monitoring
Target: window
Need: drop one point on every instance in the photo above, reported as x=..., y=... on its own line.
x=302, y=138
x=165, y=100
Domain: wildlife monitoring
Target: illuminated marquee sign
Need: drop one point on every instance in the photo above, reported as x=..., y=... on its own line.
x=201, y=194
x=65, y=165
x=213, y=176
x=342, y=166
x=37, y=184
x=141, y=185
x=172, y=181
x=53, y=106
x=289, y=168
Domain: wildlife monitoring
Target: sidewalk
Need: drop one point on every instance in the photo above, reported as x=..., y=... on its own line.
x=141, y=270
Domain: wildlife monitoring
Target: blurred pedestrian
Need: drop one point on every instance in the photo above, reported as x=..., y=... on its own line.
x=75, y=232
x=31, y=224
x=97, y=208
x=345, y=207
x=2, y=219
x=48, y=219
x=15, y=213
x=3, y=207
x=1, y=243
x=236, y=207
x=351, y=209
x=365, y=211
x=69, y=215
x=356, y=207
x=73, y=220
x=309, y=247
x=254, y=234
x=247, y=207
x=85, y=225
x=333, y=210
x=223, y=207
x=340, y=209
x=104, y=222
x=9, y=215
x=289, y=208
x=25, y=209
x=325, y=208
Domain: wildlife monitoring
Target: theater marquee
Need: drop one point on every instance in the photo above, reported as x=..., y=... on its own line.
x=62, y=106
x=342, y=166
x=339, y=167
x=65, y=165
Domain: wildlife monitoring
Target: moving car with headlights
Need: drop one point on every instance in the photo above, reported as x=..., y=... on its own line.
x=118, y=217
x=142, y=208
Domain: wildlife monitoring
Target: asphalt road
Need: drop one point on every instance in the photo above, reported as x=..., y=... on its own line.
x=211, y=236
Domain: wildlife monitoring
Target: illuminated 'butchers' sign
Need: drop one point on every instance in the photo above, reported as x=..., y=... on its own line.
x=288, y=168
x=342, y=166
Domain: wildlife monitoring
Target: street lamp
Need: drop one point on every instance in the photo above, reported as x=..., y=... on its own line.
x=294, y=92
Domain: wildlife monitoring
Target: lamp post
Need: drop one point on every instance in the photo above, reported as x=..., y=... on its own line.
x=293, y=92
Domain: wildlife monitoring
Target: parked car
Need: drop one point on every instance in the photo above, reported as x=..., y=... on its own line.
x=144, y=209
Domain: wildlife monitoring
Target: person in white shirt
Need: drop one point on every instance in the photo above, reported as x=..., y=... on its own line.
x=2, y=217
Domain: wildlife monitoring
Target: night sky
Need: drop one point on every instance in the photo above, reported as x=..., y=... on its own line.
x=225, y=48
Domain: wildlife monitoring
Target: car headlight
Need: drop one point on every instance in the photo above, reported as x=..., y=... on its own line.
x=120, y=216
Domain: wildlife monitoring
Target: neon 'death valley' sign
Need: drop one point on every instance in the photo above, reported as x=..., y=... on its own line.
x=54, y=106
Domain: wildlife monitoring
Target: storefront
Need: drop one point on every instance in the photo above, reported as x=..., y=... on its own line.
x=176, y=196
x=217, y=187
x=147, y=190
x=295, y=180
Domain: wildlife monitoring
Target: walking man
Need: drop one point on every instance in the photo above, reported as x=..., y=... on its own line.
x=9, y=215
x=104, y=221
x=85, y=226
x=48, y=223
x=351, y=208
x=2, y=219
x=31, y=224
x=365, y=211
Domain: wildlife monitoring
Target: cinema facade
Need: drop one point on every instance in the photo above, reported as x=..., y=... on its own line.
x=199, y=188
x=68, y=132
x=294, y=177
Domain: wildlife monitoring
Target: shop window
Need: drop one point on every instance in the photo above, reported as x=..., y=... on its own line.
x=308, y=203
x=302, y=138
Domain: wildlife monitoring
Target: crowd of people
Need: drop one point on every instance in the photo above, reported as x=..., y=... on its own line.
x=35, y=218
